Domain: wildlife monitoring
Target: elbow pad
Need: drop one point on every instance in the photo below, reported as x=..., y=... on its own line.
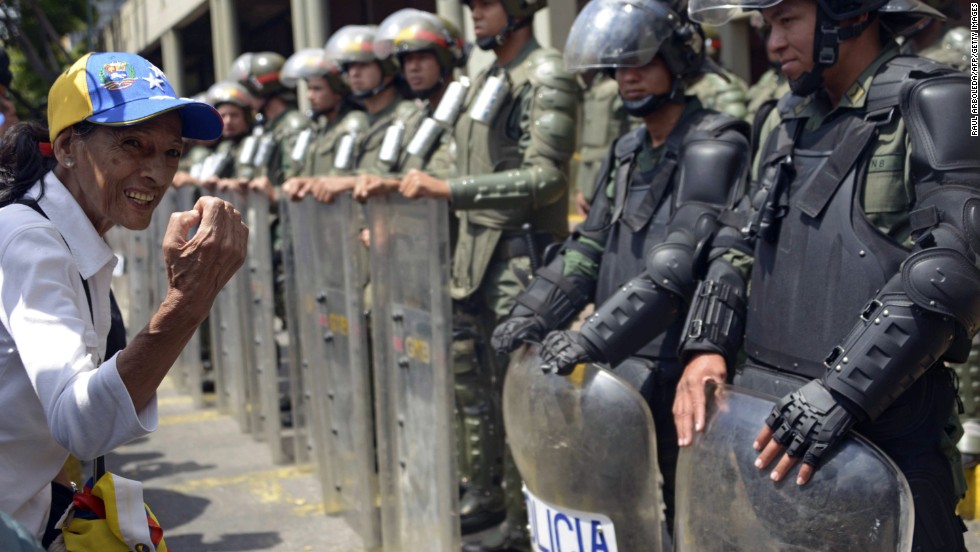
x=647, y=305
x=537, y=185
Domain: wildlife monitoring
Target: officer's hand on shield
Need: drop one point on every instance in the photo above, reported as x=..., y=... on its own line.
x=262, y=184
x=515, y=331
x=372, y=185
x=582, y=204
x=561, y=351
x=296, y=187
x=689, y=401
x=805, y=424
x=232, y=184
x=184, y=178
x=417, y=184
x=326, y=188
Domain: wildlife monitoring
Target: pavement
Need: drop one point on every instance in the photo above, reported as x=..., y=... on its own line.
x=216, y=489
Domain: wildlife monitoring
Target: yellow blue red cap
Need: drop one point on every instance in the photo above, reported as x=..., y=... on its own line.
x=120, y=89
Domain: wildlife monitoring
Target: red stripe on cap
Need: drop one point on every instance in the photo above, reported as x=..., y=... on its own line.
x=271, y=77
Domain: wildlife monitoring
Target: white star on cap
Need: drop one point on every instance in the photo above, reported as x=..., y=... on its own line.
x=154, y=82
x=156, y=71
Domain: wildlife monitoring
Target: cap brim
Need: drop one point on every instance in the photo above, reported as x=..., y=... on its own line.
x=199, y=120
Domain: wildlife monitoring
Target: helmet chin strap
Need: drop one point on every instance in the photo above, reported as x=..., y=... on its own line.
x=373, y=91
x=827, y=37
x=649, y=104
x=491, y=42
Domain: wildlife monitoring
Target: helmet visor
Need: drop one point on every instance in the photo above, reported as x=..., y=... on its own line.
x=617, y=33
x=719, y=12
x=306, y=63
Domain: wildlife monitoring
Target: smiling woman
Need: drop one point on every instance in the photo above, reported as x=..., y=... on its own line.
x=116, y=127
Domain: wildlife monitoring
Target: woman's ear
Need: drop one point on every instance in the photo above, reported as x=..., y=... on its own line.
x=62, y=147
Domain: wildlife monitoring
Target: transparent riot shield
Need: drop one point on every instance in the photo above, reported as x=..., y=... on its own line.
x=191, y=358
x=411, y=332
x=297, y=362
x=341, y=401
x=857, y=500
x=231, y=342
x=271, y=383
x=156, y=232
x=586, y=448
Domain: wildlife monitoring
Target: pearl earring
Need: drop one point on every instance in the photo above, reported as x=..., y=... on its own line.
x=69, y=162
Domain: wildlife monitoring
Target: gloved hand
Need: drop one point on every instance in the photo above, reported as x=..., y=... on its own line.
x=561, y=351
x=514, y=331
x=809, y=422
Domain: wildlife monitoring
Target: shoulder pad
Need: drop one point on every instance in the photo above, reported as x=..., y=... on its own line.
x=714, y=123
x=293, y=122
x=891, y=79
x=936, y=114
x=406, y=109
x=629, y=142
x=547, y=69
x=355, y=122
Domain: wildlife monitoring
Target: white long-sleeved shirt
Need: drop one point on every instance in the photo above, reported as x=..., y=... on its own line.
x=55, y=396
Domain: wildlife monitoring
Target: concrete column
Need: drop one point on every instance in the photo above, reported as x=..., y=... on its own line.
x=452, y=10
x=735, y=47
x=173, y=62
x=561, y=15
x=225, y=38
x=311, y=23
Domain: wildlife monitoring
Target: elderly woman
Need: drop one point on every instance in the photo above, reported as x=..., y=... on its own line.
x=111, y=153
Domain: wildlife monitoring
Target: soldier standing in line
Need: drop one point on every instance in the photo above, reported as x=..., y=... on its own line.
x=374, y=83
x=278, y=123
x=935, y=39
x=234, y=104
x=428, y=50
x=511, y=197
x=865, y=192
x=660, y=190
x=336, y=119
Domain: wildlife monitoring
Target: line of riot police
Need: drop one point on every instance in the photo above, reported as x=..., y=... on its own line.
x=404, y=322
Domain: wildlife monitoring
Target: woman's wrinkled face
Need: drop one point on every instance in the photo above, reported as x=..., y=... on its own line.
x=120, y=174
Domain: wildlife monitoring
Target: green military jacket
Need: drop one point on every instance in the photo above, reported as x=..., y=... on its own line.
x=440, y=162
x=513, y=170
x=280, y=137
x=321, y=154
x=724, y=93
x=772, y=85
x=603, y=120
x=368, y=151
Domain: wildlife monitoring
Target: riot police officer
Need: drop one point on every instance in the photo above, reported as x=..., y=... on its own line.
x=336, y=120
x=428, y=50
x=234, y=103
x=864, y=192
x=660, y=190
x=511, y=198
x=373, y=79
x=278, y=123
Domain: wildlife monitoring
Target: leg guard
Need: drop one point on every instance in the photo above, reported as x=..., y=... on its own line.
x=479, y=437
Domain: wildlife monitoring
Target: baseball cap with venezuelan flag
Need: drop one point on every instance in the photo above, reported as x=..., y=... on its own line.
x=121, y=89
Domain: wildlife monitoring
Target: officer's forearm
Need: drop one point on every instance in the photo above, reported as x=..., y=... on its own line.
x=538, y=186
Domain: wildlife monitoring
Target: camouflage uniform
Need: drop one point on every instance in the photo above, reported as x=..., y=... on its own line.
x=771, y=86
x=603, y=120
x=513, y=194
x=724, y=92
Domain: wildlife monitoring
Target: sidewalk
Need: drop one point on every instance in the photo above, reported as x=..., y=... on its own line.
x=214, y=489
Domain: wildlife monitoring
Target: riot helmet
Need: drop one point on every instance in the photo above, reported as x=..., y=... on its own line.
x=233, y=93
x=610, y=34
x=828, y=31
x=908, y=17
x=409, y=30
x=520, y=13
x=259, y=73
x=313, y=62
x=355, y=44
